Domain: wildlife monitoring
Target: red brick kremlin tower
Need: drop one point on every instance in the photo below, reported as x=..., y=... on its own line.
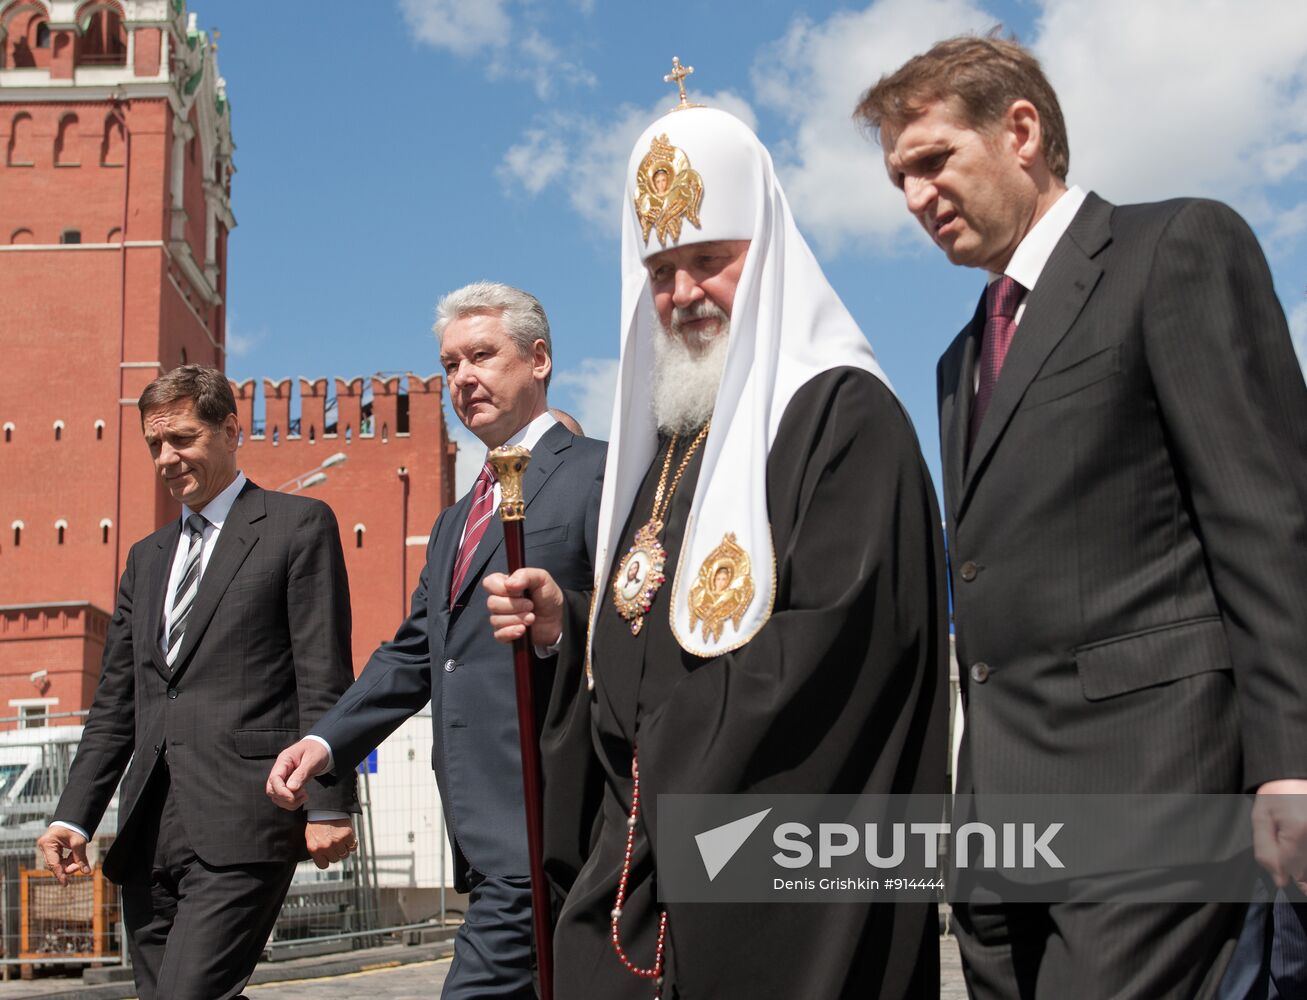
x=115, y=211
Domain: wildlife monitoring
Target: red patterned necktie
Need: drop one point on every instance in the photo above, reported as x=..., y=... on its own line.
x=1001, y=299
x=483, y=508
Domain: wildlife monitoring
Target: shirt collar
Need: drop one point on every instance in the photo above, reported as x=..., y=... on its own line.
x=530, y=435
x=1033, y=251
x=217, y=509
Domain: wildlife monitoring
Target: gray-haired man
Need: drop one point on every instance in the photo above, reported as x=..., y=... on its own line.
x=495, y=350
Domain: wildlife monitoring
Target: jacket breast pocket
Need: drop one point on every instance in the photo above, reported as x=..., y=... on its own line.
x=1151, y=657
x=255, y=743
x=1073, y=378
x=250, y=581
x=548, y=535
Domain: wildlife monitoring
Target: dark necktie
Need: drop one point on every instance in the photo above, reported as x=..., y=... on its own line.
x=483, y=506
x=189, y=585
x=1001, y=300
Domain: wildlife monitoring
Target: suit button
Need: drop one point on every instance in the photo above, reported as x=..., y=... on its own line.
x=450, y=666
x=980, y=672
x=968, y=571
x=172, y=694
x=156, y=748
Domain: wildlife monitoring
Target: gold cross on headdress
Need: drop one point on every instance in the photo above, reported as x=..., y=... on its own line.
x=677, y=76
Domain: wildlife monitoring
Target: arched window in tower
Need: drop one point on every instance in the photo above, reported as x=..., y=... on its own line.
x=111, y=145
x=18, y=527
x=358, y=535
x=99, y=430
x=70, y=236
x=58, y=430
x=67, y=149
x=105, y=525
x=60, y=526
x=9, y=432
x=42, y=34
x=21, y=145
x=385, y=432
x=104, y=39
x=22, y=236
x=184, y=356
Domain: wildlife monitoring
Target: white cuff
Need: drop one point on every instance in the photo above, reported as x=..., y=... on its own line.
x=71, y=826
x=331, y=759
x=544, y=652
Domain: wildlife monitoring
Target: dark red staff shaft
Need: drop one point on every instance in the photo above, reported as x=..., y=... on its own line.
x=524, y=676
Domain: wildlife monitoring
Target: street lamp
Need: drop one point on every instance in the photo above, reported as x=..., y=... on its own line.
x=313, y=476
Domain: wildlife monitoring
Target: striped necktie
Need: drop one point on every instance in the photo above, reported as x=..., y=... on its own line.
x=483, y=506
x=184, y=597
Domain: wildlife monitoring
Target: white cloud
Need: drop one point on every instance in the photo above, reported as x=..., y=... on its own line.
x=239, y=343
x=1298, y=327
x=1171, y=98
x=534, y=59
x=589, y=392
x=487, y=28
x=1162, y=98
x=813, y=76
x=1288, y=226
x=462, y=28
x=588, y=156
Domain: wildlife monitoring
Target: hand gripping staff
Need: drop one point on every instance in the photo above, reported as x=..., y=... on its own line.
x=510, y=466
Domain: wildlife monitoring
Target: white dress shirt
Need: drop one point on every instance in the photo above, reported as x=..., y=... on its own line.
x=529, y=436
x=215, y=514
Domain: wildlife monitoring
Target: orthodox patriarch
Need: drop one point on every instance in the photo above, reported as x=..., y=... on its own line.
x=767, y=612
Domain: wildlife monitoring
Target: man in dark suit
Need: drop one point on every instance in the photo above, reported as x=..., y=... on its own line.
x=495, y=349
x=1124, y=431
x=231, y=636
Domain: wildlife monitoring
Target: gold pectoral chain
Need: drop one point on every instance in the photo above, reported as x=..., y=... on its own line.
x=640, y=574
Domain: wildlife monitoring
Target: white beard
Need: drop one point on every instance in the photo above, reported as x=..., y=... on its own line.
x=685, y=379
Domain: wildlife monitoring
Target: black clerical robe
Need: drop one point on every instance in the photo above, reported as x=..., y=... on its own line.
x=843, y=690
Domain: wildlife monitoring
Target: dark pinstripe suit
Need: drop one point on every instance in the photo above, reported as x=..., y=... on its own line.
x=266, y=652
x=1126, y=543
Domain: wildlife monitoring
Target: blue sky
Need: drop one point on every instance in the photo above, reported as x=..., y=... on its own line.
x=390, y=152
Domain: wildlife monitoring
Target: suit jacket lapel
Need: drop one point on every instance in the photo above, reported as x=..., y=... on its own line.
x=545, y=458
x=1064, y=286
x=447, y=542
x=955, y=408
x=154, y=590
x=240, y=533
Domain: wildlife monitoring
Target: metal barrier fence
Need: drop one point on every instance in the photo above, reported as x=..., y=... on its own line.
x=400, y=880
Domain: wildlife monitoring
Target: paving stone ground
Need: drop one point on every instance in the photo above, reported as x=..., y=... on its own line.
x=382, y=978
x=423, y=982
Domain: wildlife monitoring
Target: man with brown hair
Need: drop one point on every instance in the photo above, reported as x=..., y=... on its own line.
x=1124, y=433
x=230, y=639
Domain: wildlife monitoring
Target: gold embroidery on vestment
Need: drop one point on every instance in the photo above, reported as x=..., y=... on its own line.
x=723, y=590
